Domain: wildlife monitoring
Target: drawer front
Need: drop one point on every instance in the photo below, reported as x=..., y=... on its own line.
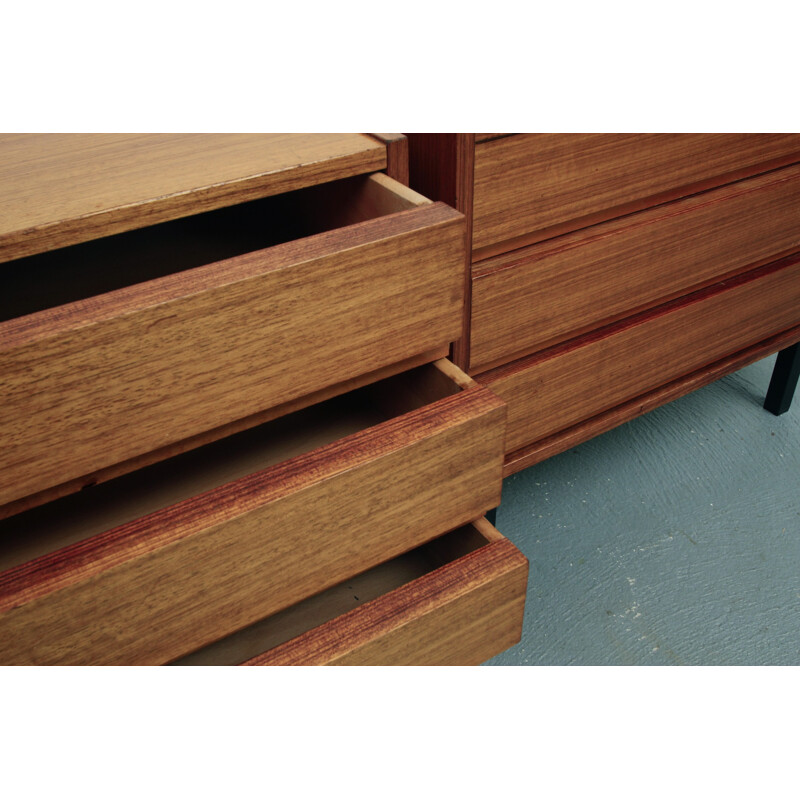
x=159, y=586
x=538, y=185
x=537, y=296
x=462, y=613
x=102, y=380
x=571, y=383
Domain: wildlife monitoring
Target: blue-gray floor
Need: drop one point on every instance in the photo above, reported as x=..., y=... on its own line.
x=673, y=539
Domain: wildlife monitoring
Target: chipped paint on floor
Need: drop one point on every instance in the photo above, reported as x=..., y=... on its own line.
x=673, y=539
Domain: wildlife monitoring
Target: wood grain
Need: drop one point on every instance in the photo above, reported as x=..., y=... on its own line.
x=532, y=298
x=460, y=614
x=102, y=476
x=105, y=506
x=276, y=629
x=378, y=196
x=59, y=189
x=101, y=381
x=530, y=187
x=338, y=600
x=94, y=268
x=165, y=584
x=487, y=137
x=570, y=383
x=440, y=167
x=396, y=155
x=587, y=429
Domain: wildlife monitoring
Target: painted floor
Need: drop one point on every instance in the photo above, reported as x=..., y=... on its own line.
x=673, y=539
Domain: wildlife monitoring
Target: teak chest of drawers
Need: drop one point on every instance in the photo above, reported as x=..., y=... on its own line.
x=610, y=273
x=228, y=430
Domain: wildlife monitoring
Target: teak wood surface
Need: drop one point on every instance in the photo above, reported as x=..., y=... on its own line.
x=460, y=614
x=103, y=507
x=567, y=384
x=165, y=584
x=60, y=189
x=257, y=639
x=103, y=380
x=550, y=446
x=533, y=186
x=396, y=155
x=440, y=167
x=487, y=137
x=215, y=434
x=534, y=297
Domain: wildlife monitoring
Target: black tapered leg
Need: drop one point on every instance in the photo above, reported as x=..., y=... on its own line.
x=491, y=515
x=784, y=380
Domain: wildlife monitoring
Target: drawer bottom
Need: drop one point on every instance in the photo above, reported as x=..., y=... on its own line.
x=458, y=600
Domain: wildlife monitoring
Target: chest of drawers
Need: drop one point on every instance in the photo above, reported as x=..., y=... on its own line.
x=224, y=395
x=609, y=273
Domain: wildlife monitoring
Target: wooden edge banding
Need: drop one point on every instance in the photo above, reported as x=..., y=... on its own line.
x=163, y=528
x=465, y=171
x=442, y=167
x=518, y=242
x=385, y=614
x=564, y=440
x=396, y=155
x=123, y=468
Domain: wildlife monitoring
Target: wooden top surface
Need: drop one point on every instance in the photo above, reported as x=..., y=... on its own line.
x=60, y=189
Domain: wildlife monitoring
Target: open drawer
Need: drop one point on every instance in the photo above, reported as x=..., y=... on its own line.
x=457, y=600
x=155, y=564
x=127, y=345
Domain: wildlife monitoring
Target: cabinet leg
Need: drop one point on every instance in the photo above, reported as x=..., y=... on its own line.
x=491, y=515
x=784, y=380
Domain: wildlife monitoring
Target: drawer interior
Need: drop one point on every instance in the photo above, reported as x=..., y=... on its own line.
x=338, y=600
x=86, y=270
x=101, y=507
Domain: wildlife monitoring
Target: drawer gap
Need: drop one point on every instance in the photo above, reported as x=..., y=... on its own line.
x=77, y=517
x=83, y=271
x=346, y=596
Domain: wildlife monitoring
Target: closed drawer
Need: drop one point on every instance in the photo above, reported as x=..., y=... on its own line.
x=568, y=384
x=152, y=565
x=533, y=186
x=136, y=341
x=457, y=601
x=534, y=297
